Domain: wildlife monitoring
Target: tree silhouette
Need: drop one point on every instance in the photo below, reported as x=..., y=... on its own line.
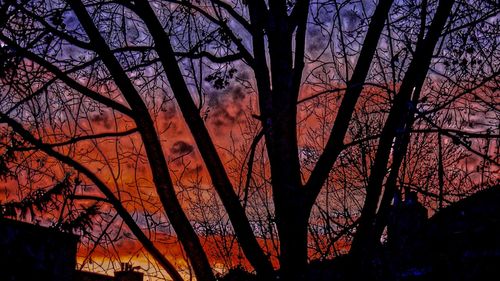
x=80, y=78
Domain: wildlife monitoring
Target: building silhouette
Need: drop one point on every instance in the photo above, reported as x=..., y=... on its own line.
x=29, y=252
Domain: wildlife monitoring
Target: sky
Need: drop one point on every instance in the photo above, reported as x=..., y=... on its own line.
x=230, y=114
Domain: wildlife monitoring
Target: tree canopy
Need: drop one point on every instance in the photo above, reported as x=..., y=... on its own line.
x=262, y=134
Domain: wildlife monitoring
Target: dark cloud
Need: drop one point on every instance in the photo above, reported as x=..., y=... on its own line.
x=169, y=112
x=225, y=107
x=103, y=119
x=181, y=148
x=351, y=19
x=244, y=75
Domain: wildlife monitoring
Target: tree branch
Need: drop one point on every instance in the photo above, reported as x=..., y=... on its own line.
x=66, y=79
x=74, y=140
x=152, y=145
x=203, y=140
x=124, y=214
x=335, y=142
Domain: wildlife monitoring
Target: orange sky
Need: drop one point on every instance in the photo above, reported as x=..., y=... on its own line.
x=122, y=165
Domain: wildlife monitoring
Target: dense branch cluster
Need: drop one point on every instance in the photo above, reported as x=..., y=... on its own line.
x=222, y=134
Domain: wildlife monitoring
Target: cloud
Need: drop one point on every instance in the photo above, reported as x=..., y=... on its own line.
x=181, y=148
x=225, y=107
x=103, y=119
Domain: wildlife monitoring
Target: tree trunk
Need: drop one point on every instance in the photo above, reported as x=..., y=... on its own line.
x=215, y=167
x=366, y=239
x=292, y=219
x=335, y=143
x=159, y=169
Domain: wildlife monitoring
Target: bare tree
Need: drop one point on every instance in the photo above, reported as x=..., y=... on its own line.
x=83, y=78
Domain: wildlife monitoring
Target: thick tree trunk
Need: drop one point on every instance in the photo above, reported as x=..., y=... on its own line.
x=280, y=129
x=292, y=213
x=292, y=219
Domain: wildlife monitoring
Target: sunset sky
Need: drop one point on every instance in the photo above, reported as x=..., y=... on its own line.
x=99, y=96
